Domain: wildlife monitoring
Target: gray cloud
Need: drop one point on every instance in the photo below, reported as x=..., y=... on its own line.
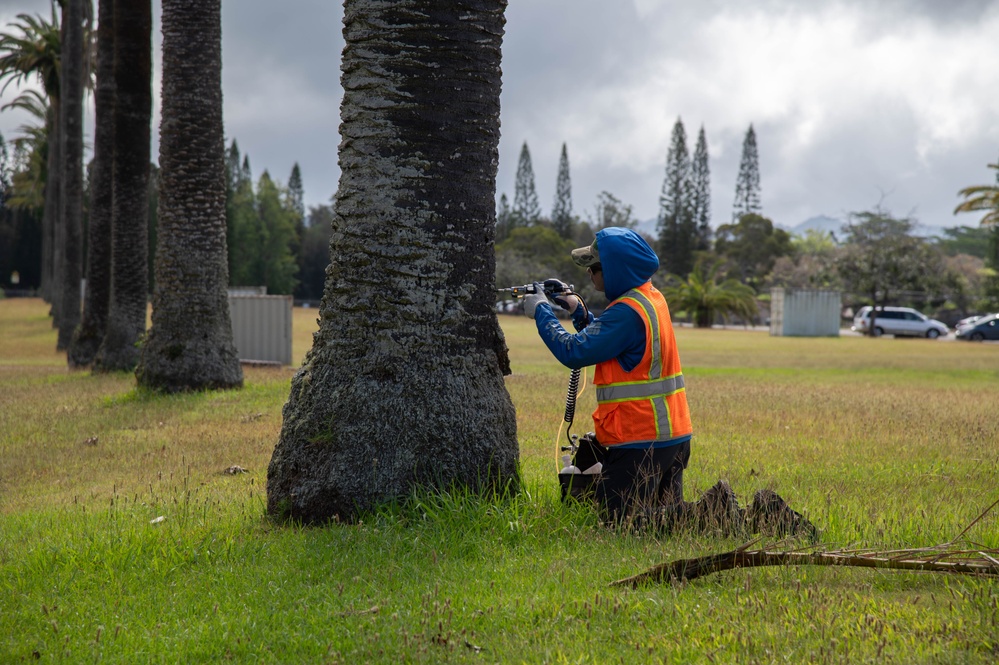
x=850, y=99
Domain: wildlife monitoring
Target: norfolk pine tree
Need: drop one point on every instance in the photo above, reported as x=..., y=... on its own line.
x=747, y=184
x=562, y=220
x=700, y=176
x=403, y=387
x=526, y=209
x=676, y=223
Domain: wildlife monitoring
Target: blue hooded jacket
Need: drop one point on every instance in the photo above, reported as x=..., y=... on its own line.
x=627, y=262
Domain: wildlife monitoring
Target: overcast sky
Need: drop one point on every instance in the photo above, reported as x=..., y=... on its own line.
x=854, y=102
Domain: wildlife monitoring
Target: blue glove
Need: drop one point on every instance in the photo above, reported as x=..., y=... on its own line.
x=560, y=294
x=532, y=300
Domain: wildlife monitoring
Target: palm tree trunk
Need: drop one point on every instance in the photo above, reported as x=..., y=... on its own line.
x=190, y=345
x=90, y=333
x=404, y=384
x=53, y=210
x=133, y=20
x=71, y=83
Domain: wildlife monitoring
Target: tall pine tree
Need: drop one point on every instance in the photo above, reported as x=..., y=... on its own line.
x=526, y=209
x=562, y=220
x=700, y=176
x=296, y=193
x=747, y=185
x=676, y=222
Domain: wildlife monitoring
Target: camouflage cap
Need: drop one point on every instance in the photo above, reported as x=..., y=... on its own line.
x=584, y=257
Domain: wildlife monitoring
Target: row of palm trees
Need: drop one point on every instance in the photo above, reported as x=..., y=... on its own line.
x=189, y=345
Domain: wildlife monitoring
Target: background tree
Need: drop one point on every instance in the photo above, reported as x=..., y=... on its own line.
x=189, y=346
x=700, y=193
x=562, y=219
x=296, y=193
x=314, y=254
x=747, y=183
x=294, y=203
x=70, y=237
x=404, y=385
x=704, y=295
x=982, y=197
x=610, y=211
x=752, y=245
x=676, y=226
x=31, y=51
x=881, y=259
x=264, y=230
x=526, y=209
x=536, y=253
x=133, y=25
x=986, y=198
x=810, y=265
x=278, y=236
x=970, y=240
x=88, y=336
x=23, y=198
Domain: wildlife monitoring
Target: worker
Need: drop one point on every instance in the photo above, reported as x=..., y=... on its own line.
x=642, y=422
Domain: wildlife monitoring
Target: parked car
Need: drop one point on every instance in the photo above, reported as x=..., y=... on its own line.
x=900, y=322
x=984, y=327
x=969, y=319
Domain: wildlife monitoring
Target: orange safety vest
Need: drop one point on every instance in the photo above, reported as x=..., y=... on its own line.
x=649, y=403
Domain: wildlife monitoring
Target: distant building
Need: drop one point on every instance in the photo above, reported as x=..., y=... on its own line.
x=804, y=313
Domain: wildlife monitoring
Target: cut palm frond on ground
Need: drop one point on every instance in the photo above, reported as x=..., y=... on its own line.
x=957, y=556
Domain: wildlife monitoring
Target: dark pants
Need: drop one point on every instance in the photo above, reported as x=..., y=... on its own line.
x=635, y=481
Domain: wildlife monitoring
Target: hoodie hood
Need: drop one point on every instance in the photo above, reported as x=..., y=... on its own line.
x=626, y=259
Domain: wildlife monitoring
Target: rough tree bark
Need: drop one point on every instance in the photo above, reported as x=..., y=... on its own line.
x=133, y=21
x=90, y=333
x=71, y=245
x=50, y=213
x=189, y=345
x=404, y=385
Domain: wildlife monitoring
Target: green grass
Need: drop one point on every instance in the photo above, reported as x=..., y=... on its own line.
x=883, y=442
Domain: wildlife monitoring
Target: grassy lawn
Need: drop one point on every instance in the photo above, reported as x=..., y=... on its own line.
x=882, y=442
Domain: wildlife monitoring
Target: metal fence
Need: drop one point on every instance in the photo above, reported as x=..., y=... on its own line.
x=261, y=327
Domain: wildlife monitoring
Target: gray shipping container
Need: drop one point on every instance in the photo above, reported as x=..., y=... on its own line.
x=261, y=327
x=804, y=313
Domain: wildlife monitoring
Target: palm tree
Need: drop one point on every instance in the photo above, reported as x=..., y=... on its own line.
x=90, y=333
x=190, y=345
x=403, y=386
x=32, y=52
x=985, y=197
x=28, y=184
x=704, y=296
x=982, y=197
x=126, y=322
x=70, y=238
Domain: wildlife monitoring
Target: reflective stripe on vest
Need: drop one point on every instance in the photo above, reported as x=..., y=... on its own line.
x=623, y=392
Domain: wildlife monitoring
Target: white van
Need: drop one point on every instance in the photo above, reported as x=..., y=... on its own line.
x=900, y=322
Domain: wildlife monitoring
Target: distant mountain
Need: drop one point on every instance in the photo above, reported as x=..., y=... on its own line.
x=820, y=223
x=825, y=224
